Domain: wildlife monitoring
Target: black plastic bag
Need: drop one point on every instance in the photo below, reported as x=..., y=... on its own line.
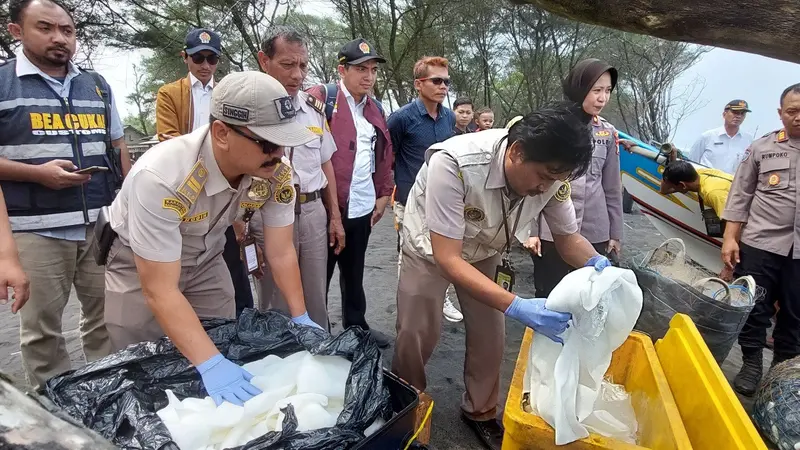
x=118, y=396
x=718, y=322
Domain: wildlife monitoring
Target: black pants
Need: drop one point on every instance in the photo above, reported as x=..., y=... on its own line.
x=351, y=270
x=549, y=269
x=239, y=275
x=780, y=277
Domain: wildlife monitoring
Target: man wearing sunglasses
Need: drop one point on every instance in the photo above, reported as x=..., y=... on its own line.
x=183, y=106
x=415, y=127
x=165, y=268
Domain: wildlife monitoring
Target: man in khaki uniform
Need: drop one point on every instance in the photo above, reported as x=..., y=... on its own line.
x=472, y=194
x=165, y=269
x=284, y=55
x=762, y=239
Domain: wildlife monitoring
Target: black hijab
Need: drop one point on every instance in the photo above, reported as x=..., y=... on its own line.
x=583, y=76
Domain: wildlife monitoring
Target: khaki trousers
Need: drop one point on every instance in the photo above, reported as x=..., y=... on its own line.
x=420, y=297
x=53, y=267
x=207, y=286
x=311, y=243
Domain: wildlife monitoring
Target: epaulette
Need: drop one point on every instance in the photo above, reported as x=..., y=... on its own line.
x=316, y=103
x=193, y=183
x=771, y=133
x=782, y=136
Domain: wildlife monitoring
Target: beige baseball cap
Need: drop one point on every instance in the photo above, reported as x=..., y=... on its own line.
x=259, y=102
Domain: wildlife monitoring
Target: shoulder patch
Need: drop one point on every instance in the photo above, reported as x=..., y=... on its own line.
x=176, y=205
x=315, y=130
x=316, y=103
x=284, y=195
x=563, y=192
x=283, y=174
x=193, y=184
x=474, y=214
x=782, y=136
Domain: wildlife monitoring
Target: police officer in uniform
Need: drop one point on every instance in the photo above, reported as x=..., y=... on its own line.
x=165, y=269
x=597, y=196
x=473, y=194
x=762, y=239
x=284, y=55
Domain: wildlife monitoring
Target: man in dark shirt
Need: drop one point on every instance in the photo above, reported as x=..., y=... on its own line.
x=415, y=127
x=465, y=115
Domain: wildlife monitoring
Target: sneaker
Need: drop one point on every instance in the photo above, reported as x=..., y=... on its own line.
x=450, y=312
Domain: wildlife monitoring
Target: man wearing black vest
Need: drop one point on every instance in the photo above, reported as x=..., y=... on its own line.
x=62, y=157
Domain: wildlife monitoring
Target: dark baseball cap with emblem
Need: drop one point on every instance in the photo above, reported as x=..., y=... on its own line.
x=201, y=39
x=259, y=102
x=737, y=105
x=358, y=51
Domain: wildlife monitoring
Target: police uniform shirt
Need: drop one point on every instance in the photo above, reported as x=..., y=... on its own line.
x=307, y=160
x=175, y=204
x=445, y=205
x=764, y=195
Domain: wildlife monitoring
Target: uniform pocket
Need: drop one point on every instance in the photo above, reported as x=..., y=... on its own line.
x=597, y=164
x=773, y=174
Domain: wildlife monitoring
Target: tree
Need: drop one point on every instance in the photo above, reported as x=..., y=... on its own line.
x=145, y=104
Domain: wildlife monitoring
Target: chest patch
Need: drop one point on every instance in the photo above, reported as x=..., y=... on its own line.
x=195, y=218
x=259, y=190
x=563, y=192
x=774, y=179
x=602, y=133
x=474, y=214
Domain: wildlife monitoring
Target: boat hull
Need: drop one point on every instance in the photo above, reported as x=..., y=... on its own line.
x=674, y=216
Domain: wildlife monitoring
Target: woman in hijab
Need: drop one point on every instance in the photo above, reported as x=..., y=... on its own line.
x=597, y=196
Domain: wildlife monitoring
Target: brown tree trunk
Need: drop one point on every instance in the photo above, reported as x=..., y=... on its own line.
x=765, y=27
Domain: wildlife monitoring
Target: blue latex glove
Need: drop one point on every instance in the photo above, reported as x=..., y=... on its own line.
x=225, y=381
x=305, y=320
x=599, y=262
x=533, y=313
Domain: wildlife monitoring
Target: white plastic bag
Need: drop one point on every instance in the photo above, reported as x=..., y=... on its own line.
x=564, y=381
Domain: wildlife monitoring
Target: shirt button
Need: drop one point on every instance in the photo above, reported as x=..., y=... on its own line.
x=487, y=156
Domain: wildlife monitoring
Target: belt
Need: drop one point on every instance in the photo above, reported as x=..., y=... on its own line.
x=309, y=197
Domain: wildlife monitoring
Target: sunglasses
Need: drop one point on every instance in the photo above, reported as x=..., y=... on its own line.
x=266, y=146
x=437, y=80
x=212, y=59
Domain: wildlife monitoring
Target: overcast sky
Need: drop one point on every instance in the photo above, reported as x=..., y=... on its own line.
x=725, y=74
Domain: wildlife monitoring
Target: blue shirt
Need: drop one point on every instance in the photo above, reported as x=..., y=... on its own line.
x=62, y=88
x=413, y=130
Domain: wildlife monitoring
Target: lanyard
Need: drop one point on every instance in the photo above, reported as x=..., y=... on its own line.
x=505, y=224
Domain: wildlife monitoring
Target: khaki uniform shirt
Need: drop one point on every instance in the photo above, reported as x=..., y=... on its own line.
x=175, y=204
x=458, y=194
x=597, y=196
x=307, y=160
x=764, y=195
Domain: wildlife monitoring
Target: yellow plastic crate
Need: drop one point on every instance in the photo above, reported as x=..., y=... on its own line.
x=634, y=365
x=711, y=412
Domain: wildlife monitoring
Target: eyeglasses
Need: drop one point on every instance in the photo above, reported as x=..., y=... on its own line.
x=266, y=146
x=437, y=80
x=212, y=59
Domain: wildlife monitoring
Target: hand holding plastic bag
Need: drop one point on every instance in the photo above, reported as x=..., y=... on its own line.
x=225, y=381
x=599, y=262
x=533, y=313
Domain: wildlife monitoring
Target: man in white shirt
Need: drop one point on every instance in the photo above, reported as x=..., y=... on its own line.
x=724, y=147
x=363, y=171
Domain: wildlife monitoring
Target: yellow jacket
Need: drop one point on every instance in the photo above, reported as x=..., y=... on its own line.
x=174, y=109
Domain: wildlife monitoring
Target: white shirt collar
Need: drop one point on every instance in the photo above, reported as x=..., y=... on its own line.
x=26, y=67
x=195, y=82
x=724, y=132
x=348, y=95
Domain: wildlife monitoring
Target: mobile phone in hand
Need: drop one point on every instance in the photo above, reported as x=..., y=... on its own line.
x=91, y=170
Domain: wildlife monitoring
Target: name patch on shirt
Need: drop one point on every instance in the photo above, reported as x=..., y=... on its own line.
x=774, y=155
x=196, y=217
x=251, y=205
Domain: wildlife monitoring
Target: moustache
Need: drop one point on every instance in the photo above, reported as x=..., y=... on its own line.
x=272, y=162
x=59, y=48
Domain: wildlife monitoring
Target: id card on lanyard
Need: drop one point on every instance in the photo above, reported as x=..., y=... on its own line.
x=504, y=273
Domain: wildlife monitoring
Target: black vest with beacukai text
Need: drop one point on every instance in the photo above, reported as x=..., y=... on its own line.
x=37, y=126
